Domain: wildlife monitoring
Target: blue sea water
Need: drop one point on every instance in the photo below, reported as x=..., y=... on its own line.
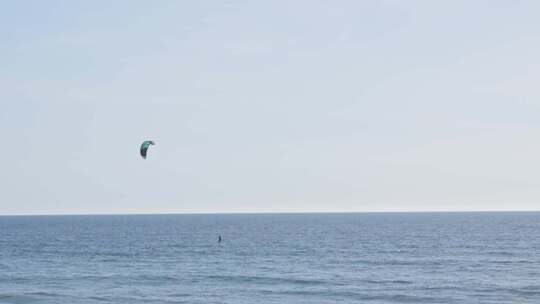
x=273, y=258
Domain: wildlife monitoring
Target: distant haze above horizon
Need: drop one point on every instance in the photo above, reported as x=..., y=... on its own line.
x=277, y=106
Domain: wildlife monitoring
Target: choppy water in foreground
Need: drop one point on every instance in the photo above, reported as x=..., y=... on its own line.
x=278, y=258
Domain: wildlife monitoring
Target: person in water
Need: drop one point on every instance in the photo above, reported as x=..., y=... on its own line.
x=219, y=239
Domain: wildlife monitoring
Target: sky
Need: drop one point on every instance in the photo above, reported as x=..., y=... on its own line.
x=269, y=106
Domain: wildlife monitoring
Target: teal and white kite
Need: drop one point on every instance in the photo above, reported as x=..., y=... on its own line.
x=144, y=147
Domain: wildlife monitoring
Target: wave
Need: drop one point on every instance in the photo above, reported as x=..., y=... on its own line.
x=28, y=297
x=388, y=282
x=402, y=298
x=358, y=296
x=265, y=280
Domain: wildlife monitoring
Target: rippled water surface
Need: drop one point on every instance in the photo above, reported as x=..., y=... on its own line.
x=278, y=258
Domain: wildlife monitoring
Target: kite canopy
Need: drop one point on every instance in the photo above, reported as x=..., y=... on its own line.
x=144, y=147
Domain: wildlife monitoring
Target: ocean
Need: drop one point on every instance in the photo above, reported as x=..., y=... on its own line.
x=272, y=258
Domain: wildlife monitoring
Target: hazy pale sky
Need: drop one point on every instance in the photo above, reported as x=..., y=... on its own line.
x=269, y=106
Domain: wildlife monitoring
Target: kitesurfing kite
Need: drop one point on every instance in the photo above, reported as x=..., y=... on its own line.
x=144, y=147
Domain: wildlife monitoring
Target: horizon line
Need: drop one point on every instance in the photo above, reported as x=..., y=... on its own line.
x=273, y=212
